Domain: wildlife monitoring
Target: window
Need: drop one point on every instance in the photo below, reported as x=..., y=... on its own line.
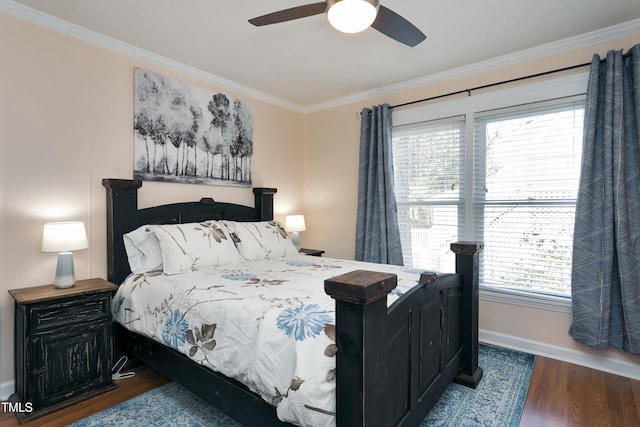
x=526, y=174
x=504, y=170
x=428, y=160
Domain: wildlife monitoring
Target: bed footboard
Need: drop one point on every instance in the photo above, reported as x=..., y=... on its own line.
x=394, y=363
x=468, y=266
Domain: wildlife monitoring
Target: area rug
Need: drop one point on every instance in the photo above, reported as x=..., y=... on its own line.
x=498, y=401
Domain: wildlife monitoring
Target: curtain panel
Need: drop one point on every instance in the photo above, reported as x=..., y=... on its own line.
x=377, y=231
x=606, y=250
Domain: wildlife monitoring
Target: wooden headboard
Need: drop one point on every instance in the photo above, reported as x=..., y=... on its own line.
x=124, y=216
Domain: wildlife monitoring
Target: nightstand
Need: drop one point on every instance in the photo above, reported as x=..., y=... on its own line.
x=63, y=345
x=311, y=252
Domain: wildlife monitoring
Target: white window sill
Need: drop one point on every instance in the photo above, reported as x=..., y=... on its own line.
x=526, y=299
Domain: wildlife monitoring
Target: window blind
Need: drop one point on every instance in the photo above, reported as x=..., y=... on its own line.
x=526, y=174
x=429, y=165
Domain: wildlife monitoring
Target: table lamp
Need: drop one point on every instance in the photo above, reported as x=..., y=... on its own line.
x=294, y=224
x=64, y=237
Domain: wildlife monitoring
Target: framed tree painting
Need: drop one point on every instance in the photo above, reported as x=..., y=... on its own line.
x=185, y=133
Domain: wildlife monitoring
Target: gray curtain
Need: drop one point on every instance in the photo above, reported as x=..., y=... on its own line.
x=606, y=253
x=377, y=232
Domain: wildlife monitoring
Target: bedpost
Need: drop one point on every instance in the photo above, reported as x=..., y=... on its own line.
x=361, y=314
x=467, y=265
x=122, y=217
x=264, y=202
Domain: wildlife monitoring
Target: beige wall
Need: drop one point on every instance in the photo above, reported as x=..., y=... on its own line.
x=66, y=123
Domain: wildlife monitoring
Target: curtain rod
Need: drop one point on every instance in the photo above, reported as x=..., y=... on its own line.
x=468, y=91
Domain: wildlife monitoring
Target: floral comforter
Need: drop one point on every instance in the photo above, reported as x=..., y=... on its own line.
x=268, y=324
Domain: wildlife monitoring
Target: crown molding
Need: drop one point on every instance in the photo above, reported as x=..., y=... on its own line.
x=78, y=32
x=64, y=27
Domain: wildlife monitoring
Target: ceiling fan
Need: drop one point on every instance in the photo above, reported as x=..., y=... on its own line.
x=351, y=16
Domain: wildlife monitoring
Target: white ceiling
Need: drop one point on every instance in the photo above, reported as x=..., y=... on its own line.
x=306, y=62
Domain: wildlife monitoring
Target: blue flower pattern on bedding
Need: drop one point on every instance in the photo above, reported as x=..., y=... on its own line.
x=301, y=264
x=175, y=330
x=240, y=277
x=304, y=321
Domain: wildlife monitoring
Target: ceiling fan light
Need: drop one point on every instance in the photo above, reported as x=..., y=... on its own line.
x=352, y=16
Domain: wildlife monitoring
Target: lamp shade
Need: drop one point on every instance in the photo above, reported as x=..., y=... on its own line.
x=352, y=16
x=64, y=236
x=294, y=223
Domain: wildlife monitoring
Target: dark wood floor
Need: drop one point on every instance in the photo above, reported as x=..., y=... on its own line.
x=560, y=394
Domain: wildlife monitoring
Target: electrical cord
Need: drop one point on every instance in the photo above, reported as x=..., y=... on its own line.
x=117, y=375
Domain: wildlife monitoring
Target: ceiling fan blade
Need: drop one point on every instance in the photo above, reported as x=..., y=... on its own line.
x=290, y=14
x=395, y=26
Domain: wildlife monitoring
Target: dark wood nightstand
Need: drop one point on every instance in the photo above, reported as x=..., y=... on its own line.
x=63, y=345
x=311, y=252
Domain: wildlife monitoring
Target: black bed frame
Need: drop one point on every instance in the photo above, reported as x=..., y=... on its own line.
x=392, y=364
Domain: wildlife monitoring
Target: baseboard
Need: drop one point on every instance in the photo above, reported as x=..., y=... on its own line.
x=601, y=363
x=6, y=389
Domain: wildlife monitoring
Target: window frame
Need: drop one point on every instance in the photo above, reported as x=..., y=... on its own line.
x=468, y=106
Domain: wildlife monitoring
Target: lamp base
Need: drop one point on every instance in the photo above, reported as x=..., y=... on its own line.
x=296, y=240
x=65, y=276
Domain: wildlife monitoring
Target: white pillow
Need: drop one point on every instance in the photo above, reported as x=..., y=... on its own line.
x=143, y=250
x=186, y=247
x=261, y=240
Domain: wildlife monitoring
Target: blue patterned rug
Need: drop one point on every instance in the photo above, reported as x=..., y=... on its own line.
x=498, y=401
